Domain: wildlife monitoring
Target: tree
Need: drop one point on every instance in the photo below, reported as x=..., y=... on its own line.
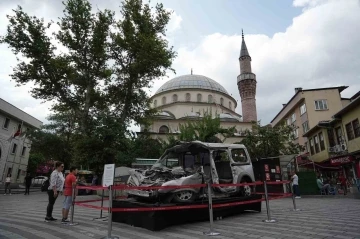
x=100, y=76
x=206, y=130
x=268, y=141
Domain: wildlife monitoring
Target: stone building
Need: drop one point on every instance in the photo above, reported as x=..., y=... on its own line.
x=188, y=97
x=14, y=146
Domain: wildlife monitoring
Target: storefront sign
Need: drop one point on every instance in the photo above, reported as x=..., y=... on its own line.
x=342, y=160
x=266, y=166
x=277, y=169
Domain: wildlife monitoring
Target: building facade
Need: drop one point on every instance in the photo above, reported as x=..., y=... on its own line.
x=14, y=146
x=189, y=97
x=309, y=106
x=336, y=142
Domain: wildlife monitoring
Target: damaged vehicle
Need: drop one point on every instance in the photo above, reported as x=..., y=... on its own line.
x=195, y=163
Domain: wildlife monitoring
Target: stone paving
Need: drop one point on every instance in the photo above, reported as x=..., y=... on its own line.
x=23, y=217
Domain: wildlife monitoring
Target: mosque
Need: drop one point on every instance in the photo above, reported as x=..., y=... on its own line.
x=187, y=97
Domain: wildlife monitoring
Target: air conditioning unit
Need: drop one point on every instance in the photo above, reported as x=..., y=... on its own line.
x=343, y=147
x=337, y=148
x=332, y=149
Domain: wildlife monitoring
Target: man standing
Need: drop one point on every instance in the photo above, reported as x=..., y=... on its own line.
x=295, y=181
x=70, y=182
x=28, y=179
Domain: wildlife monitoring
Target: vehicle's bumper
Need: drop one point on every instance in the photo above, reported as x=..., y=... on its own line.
x=143, y=193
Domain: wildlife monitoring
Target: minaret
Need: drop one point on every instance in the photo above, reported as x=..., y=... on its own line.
x=246, y=82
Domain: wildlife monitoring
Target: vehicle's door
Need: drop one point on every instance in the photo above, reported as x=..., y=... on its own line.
x=240, y=163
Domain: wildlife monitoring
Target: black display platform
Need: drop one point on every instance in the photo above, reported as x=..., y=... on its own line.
x=158, y=220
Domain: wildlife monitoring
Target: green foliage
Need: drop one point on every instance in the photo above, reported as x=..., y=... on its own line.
x=266, y=141
x=95, y=69
x=35, y=159
x=204, y=130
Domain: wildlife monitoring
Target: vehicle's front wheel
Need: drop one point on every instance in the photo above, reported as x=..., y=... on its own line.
x=247, y=190
x=184, y=196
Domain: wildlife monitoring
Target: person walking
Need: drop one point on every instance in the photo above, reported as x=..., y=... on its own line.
x=295, y=181
x=7, y=184
x=56, y=187
x=28, y=179
x=70, y=182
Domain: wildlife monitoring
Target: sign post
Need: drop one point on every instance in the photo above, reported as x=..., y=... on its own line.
x=108, y=181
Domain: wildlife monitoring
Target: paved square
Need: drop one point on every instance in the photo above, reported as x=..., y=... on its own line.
x=23, y=217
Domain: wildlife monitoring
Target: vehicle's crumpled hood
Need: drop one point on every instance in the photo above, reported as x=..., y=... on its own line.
x=154, y=177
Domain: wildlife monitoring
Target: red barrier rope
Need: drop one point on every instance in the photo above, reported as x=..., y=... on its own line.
x=198, y=206
x=92, y=187
x=277, y=182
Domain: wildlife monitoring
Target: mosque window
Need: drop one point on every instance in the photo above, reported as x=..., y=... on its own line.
x=230, y=105
x=164, y=129
x=164, y=100
x=175, y=98
x=221, y=101
x=187, y=97
x=199, y=97
x=210, y=99
x=155, y=103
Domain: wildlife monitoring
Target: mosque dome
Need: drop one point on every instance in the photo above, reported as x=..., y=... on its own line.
x=191, y=82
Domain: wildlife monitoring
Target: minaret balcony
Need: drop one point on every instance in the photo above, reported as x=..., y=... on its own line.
x=246, y=76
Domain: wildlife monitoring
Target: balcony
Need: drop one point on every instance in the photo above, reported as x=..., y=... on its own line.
x=246, y=76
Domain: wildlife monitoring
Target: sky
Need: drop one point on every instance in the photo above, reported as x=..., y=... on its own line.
x=293, y=43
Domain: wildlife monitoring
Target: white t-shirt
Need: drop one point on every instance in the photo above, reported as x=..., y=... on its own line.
x=295, y=179
x=8, y=180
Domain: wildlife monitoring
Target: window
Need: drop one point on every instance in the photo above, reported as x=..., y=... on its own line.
x=288, y=121
x=221, y=101
x=155, y=103
x=13, y=151
x=322, y=142
x=349, y=131
x=187, y=97
x=305, y=126
x=302, y=109
x=210, y=99
x=221, y=156
x=175, y=98
x=230, y=105
x=164, y=129
x=331, y=138
x=312, y=146
x=339, y=135
x=6, y=123
x=23, y=151
x=316, y=139
x=293, y=118
x=321, y=105
x=239, y=155
x=199, y=97
x=356, y=127
x=163, y=100
x=296, y=133
x=18, y=174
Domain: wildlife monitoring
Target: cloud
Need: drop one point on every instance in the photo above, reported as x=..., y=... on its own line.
x=174, y=23
x=319, y=49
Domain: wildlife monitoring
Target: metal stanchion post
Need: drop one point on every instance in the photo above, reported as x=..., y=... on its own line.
x=73, y=207
x=293, y=198
x=110, y=217
x=267, y=205
x=102, y=204
x=211, y=232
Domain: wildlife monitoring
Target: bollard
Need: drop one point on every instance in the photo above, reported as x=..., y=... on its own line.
x=269, y=220
x=102, y=204
x=72, y=207
x=211, y=232
x=110, y=217
x=293, y=199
